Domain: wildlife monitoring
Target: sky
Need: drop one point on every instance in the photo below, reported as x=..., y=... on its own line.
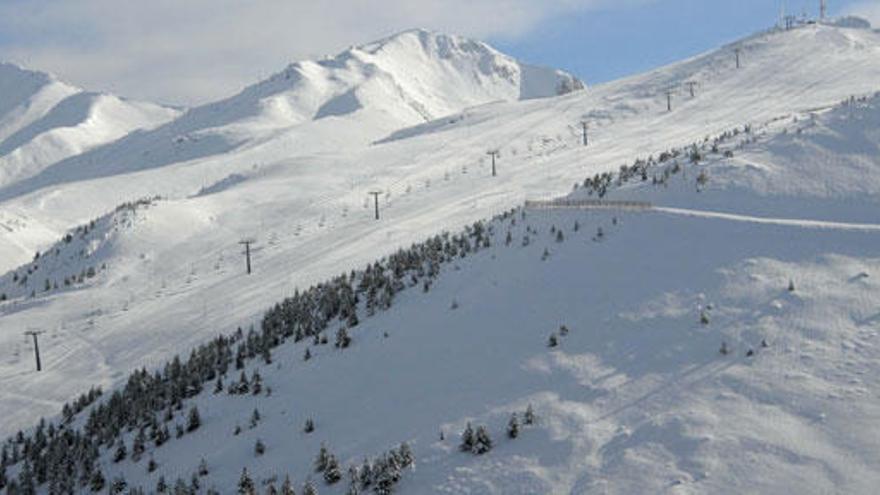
x=187, y=52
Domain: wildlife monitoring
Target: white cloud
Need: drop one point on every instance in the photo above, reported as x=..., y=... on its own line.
x=869, y=9
x=191, y=51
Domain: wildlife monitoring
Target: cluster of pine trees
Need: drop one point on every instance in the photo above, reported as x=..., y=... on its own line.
x=20, y=281
x=642, y=169
x=64, y=457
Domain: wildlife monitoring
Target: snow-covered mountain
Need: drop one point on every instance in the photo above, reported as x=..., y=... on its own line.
x=764, y=177
x=346, y=101
x=44, y=120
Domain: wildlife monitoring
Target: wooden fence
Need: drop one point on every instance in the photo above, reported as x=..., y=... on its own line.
x=587, y=204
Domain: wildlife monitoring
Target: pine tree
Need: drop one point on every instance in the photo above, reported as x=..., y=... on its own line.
x=121, y=451
x=405, y=455
x=332, y=474
x=307, y=355
x=256, y=384
x=287, y=487
x=467, y=439
x=26, y=484
x=259, y=448
x=194, y=483
x=118, y=486
x=529, y=417
x=255, y=418
x=482, y=441
x=704, y=317
x=552, y=341
x=513, y=426
x=366, y=474
x=246, y=484
x=138, y=446
x=309, y=489
x=342, y=338
x=161, y=485
x=321, y=459
x=96, y=484
x=151, y=465
x=309, y=426
x=791, y=285
x=724, y=350
x=559, y=236
x=203, y=467
x=181, y=488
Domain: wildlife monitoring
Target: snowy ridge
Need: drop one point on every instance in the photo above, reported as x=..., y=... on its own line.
x=75, y=259
x=43, y=121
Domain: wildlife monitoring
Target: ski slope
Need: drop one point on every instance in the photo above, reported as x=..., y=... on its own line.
x=636, y=397
x=177, y=279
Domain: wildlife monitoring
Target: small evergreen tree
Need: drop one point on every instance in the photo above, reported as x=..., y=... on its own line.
x=194, y=421
x=287, y=487
x=259, y=448
x=321, y=459
x=529, y=417
x=255, y=418
x=118, y=486
x=553, y=340
x=309, y=426
x=121, y=451
x=151, y=465
x=467, y=439
x=482, y=441
x=309, y=489
x=203, y=467
x=791, y=285
x=246, y=484
x=343, y=340
x=97, y=482
x=405, y=456
x=161, y=485
x=704, y=317
x=332, y=474
x=513, y=426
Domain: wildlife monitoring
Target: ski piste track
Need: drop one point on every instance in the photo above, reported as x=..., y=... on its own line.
x=566, y=204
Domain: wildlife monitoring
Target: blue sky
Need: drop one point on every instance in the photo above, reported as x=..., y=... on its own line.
x=194, y=51
x=609, y=43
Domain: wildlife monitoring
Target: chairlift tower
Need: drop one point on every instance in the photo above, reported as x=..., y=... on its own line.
x=247, y=252
x=375, y=195
x=34, y=334
x=494, y=154
x=823, y=9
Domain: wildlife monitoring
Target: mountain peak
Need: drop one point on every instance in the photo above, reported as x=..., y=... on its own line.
x=412, y=77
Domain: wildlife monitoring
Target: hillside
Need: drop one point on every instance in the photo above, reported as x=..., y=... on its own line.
x=311, y=215
x=43, y=121
x=652, y=362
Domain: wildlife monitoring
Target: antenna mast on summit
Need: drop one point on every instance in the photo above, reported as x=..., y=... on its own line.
x=823, y=9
